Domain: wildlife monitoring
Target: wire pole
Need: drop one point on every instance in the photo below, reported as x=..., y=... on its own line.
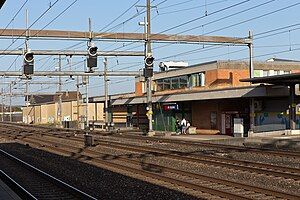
x=2, y=106
x=149, y=79
x=59, y=94
x=3, y=100
x=251, y=74
x=77, y=95
x=27, y=31
x=10, y=110
x=106, y=93
x=26, y=97
x=87, y=105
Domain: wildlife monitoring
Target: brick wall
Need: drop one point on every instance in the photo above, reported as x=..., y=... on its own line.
x=201, y=113
x=225, y=77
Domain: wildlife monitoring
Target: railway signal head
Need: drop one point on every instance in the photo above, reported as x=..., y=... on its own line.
x=148, y=70
x=149, y=61
x=92, y=58
x=28, y=65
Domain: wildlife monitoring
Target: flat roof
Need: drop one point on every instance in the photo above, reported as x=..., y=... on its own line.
x=222, y=93
x=225, y=64
x=285, y=79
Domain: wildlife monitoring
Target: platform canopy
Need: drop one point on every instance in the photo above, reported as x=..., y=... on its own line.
x=285, y=79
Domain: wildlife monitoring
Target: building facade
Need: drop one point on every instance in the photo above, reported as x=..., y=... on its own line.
x=211, y=96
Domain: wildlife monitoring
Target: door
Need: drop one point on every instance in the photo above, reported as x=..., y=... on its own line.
x=228, y=124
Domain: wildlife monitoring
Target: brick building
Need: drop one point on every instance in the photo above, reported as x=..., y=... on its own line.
x=210, y=95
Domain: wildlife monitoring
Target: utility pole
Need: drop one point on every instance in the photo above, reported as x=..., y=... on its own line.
x=26, y=97
x=78, y=102
x=87, y=104
x=106, y=93
x=59, y=111
x=27, y=31
x=10, y=110
x=251, y=74
x=149, y=79
x=2, y=102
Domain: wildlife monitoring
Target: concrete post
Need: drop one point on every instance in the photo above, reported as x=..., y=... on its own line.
x=10, y=110
x=59, y=113
x=292, y=108
x=251, y=74
x=149, y=80
x=106, y=94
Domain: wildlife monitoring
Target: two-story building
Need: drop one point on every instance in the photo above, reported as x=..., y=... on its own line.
x=209, y=95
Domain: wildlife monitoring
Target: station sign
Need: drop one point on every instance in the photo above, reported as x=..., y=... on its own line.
x=170, y=107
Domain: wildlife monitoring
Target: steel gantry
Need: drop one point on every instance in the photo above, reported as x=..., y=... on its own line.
x=146, y=37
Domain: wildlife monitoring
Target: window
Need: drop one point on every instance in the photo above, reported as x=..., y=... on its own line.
x=160, y=85
x=201, y=79
x=174, y=83
x=265, y=72
x=196, y=80
x=167, y=85
x=183, y=81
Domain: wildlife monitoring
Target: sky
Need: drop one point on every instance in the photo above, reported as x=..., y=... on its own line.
x=275, y=25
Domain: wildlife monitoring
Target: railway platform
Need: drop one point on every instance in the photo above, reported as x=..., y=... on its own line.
x=7, y=193
x=284, y=142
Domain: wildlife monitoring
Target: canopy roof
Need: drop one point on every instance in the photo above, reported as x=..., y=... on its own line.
x=285, y=79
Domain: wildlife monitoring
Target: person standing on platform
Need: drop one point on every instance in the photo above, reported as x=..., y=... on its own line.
x=183, y=125
x=188, y=124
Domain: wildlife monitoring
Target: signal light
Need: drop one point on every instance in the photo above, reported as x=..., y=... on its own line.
x=92, y=58
x=28, y=66
x=92, y=51
x=148, y=70
x=149, y=61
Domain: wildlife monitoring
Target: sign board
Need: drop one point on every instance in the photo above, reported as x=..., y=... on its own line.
x=170, y=107
x=238, y=127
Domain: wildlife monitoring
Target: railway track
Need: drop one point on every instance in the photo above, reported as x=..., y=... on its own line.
x=260, y=168
x=209, y=185
x=280, y=153
x=195, y=181
x=32, y=183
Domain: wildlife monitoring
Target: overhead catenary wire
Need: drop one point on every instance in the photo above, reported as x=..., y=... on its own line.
x=191, y=8
x=46, y=24
x=215, y=12
x=40, y=17
x=14, y=17
x=226, y=17
x=203, y=16
x=254, y=18
x=260, y=16
x=122, y=14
